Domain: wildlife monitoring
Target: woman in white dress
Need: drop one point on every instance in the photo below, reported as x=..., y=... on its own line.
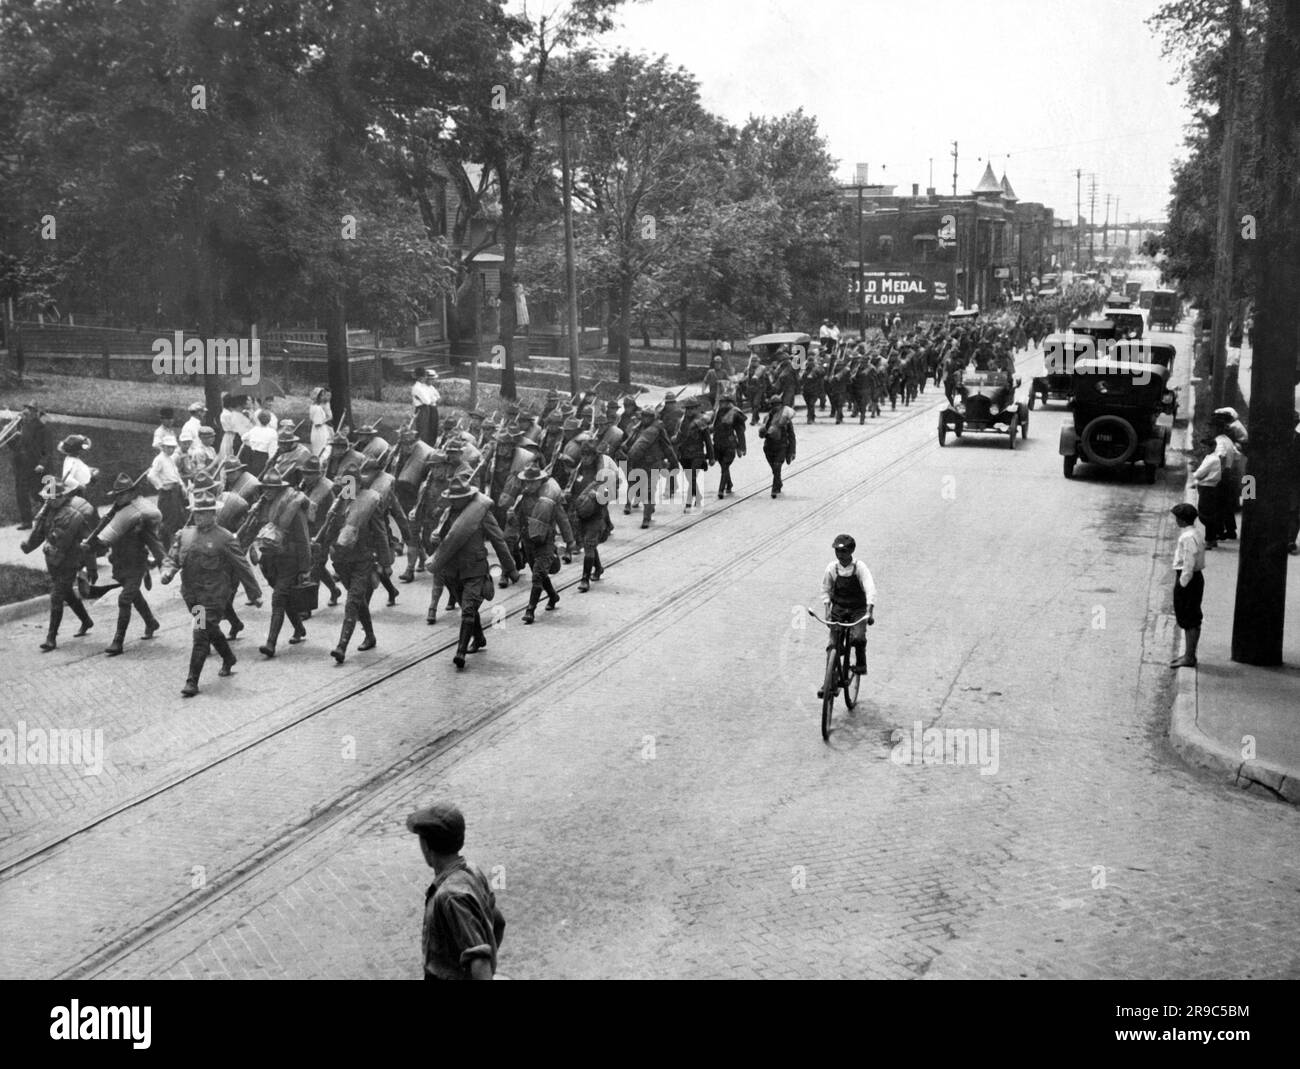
x=319, y=414
x=235, y=424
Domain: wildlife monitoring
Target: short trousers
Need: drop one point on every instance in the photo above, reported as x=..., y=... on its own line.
x=1187, y=601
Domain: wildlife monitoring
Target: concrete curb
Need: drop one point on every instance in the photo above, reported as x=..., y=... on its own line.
x=20, y=610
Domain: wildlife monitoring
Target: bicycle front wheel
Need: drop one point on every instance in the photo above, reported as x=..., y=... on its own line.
x=830, y=687
x=851, y=683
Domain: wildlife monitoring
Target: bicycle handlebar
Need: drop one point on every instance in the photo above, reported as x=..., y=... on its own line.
x=838, y=623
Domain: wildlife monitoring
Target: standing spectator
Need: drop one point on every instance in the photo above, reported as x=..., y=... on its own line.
x=166, y=425
x=1293, y=471
x=424, y=399
x=31, y=450
x=165, y=477
x=235, y=424
x=259, y=445
x=319, y=415
x=1233, y=464
x=76, y=472
x=462, y=927
x=1189, y=584
x=1207, y=481
x=190, y=431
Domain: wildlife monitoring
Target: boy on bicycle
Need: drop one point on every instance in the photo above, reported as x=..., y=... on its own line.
x=849, y=593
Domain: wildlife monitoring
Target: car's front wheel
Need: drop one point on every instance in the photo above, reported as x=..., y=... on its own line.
x=1068, y=465
x=943, y=430
x=1012, y=427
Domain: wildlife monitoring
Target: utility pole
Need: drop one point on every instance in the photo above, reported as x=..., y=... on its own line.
x=1092, y=220
x=570, y=273
x=1105, y=230
x=1223, y=249
x=954, y=168
x=1260, y=611
x=1078, y=211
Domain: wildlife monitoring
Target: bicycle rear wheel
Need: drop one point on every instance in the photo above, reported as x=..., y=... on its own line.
x=851, y=683
x=830, y=687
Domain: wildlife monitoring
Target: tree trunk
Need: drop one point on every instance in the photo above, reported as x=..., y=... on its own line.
x=507, y=316
x=1258, y=619
x=625, y=331
x=683, y=307
x=336, y=358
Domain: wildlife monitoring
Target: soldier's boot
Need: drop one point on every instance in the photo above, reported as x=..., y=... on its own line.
x=345, y=636
x=412, y=556
x=151, y=624
x=598, y=569
x=299, y=632
x=534, y=596
x=552, y=598
x=197, y=657
x=368, y=643
x=236, y=624
x=332, y=586
x=584, y=584
x=392, y=590
x=119, y=636
x=431, y=617
x=478, y=640
x=52, y=632
x=466, y=633
x=645, y=514
x=860, y=657
x=86, y=622
x=267, y=649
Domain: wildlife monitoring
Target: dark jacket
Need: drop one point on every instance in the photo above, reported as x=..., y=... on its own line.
x=211, y=565
x=469, y=560
x=729, y=433
x=649, y=446
x=694, y=446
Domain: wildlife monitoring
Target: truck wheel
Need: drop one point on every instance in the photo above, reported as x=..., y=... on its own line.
x=1069, y=466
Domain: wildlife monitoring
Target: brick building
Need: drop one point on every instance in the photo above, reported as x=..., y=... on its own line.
x=921, y=254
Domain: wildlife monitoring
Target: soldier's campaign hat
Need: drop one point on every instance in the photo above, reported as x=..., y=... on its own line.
x=58, y=488
x=521, y=439
x=198, y=406
x=554, y=416
x=552, y=395
x=504, y=436
x=311, y=466
x=207, y=432
x=273, y=480
x=455, y=445
x=202, y=481
x=367, y=431
x=407, y=434
x=724, y=400
x=669, y=396
x=533, y=474
x=586, y=442
x=124, y=483
x=232, y=465
x=442, y=822
x=647, y=413
x=571, y=424
x=459, y=488
x=203, y=502
x=691, y=402
x=167, y=412
x=476, y=414
x=74, y=444
x=287, y=434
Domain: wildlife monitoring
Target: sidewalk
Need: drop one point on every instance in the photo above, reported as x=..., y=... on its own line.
x=1238, y=720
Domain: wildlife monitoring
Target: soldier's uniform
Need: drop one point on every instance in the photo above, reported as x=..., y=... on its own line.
x=211, y=565
x=694, y=449
x=290, y=456
x=837, y=389
x=728, y=442
x=594, y=486
x=342, y=460
x=320, y=498
x=360, y=546
x=285, y=555
x=813, y=383
x=540, y=513
x=411, y=463
x=64, y=520
x=778, y=437
x=648, y=451
x=131, y=536
x=431, y=509
x=460, y=560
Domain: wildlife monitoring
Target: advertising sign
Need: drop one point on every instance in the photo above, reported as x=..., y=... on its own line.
x=905, y=288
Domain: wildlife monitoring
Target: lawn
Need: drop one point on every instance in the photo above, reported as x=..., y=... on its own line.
x=18, y=583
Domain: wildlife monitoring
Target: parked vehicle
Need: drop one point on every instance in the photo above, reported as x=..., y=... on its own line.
x=1116, y=416
x=986, y=401
x=1129, y=322
x=1144, y=298
x=1132, y=289
x=768, y=345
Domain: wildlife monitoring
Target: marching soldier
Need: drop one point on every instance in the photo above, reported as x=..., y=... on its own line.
x=343, y=460
x=837, y=388
x=460, y=560
x=539, y=513
x=648, y=451
x=130, y=532
x=595, y=483
x=608, y=434
x=728, y=442
x=430, y=509
x=778, y=437
x=211, y=566
x=358, y=529
x=370, y=443
x=755, y=383
x=628, y=419
x=372, y=475
x=694, y=449
x=812, y=383
x=290, y=455
x=64, y=520
x=239, y=481
x=282, y=545
x=412, y=462
x=320, y=497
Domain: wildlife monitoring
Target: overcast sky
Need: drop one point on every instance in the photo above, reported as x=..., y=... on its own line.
x=1040, y=87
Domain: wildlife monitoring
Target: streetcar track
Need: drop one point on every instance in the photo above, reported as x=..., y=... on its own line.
x=328, y=813
x=372, y=790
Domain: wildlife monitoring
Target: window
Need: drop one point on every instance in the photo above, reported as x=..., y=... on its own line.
x=885, y=247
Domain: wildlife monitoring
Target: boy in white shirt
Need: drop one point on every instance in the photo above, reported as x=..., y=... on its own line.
x=1189, y=584
x=849, y=593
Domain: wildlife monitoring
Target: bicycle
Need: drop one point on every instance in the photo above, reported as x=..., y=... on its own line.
x=839, y=672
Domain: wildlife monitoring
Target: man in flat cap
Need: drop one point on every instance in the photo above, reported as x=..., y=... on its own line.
x=462, y=925
x=33, y=447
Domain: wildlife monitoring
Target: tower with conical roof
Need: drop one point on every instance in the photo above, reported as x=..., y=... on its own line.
x=1008, y=194
x=989, y=185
